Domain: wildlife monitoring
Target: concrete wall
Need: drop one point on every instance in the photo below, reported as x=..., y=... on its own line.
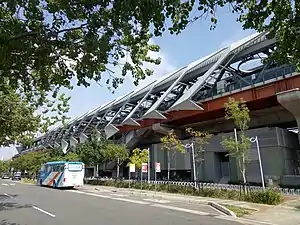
x=277, y=147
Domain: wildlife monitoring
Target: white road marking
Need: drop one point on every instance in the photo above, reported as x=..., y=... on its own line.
x=75, y=191
x=181, y=209
x=132, y=201
x=239, y=219
x=119, y=195
x=97, y=195
x=12, y=184
x=90, y=194
x=156, y=200
x=4, y=184
x=43, y=211
x=7, y=195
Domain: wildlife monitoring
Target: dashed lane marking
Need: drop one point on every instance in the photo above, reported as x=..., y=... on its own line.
x=8, y=195
x=156, y=200
x=119, y=195
x=131, y=201
x=43, y=211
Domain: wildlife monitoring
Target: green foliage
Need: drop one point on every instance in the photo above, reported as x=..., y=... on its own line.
x=200, y=139
x=114, y=152
x=138, y=157
x=263, y=197
x=49, y=43
x=238, y=112
x=172, y=142
x=32, y=161
x=4, y=166
x=17, y=119
x=98, y=150
x=238, y=148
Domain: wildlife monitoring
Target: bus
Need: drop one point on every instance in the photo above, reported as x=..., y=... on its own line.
x=60, y=174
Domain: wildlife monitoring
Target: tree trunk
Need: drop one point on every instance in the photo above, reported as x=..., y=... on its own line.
x=118, y=168
x=169, y=165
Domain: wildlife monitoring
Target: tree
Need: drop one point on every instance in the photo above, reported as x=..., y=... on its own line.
x=49, y=43
x=19, y=119
x=71, y=157
x=90, y=152
x=4, y=166
x=116, y=153
x=171, y=142
x=138, y=157
x=199, y=139
x=238, y=147
x=30, y=162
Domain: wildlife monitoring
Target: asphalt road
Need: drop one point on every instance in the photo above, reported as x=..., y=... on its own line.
x=22, y=204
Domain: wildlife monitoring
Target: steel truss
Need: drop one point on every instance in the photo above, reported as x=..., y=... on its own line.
x=183, y=89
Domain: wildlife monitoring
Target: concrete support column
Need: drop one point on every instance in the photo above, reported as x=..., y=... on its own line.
x=290, y=100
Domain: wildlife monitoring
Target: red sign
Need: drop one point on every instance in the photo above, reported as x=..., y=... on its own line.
x=144, y=167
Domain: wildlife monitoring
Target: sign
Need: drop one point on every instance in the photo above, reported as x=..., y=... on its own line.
x=131, y=168
x=157, y=167
x=144, y=167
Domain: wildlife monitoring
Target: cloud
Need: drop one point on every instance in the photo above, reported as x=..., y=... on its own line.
x=84, y=99
x=166, y=66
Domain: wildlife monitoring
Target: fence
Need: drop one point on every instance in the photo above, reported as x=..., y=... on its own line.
x=285, y=191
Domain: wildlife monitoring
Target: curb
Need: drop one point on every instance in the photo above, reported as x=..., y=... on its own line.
x=221, y=208
x=161, y=195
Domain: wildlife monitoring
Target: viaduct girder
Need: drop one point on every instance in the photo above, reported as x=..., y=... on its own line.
x=181, y=90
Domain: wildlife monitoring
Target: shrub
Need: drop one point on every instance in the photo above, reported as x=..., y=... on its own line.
x=269, y=196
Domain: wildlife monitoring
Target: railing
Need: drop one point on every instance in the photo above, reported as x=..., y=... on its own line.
x=285, y=191
x=247, y=81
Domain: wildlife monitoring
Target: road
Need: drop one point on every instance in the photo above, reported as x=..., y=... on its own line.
x=22, y=204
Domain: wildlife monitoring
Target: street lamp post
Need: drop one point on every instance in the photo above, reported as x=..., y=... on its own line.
x=148, y=165
x=255, y=140
x=193, y=158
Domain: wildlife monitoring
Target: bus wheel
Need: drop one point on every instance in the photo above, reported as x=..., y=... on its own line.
x=54, y=184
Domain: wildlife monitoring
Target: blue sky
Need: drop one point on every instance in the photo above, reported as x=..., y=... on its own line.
x=176, y=51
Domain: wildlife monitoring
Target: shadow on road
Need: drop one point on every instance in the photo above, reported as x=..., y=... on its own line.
x=5, y=222
x=7, y=203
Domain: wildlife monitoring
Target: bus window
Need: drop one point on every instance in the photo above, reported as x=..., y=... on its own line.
x=49, y=168
x=43, y=168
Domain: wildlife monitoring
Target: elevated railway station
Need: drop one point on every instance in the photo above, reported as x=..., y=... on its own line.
x=194, y=96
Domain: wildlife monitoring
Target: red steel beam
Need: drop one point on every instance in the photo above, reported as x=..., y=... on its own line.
x=256, y=98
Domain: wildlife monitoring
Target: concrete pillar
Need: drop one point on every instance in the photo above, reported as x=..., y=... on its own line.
x=290, y=100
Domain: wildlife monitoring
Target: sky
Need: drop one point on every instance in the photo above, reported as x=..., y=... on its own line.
x=176, y=51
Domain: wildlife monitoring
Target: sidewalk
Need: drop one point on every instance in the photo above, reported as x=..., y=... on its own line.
x=288, y=213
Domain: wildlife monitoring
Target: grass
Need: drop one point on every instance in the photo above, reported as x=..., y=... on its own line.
x=239, y=211
x=28, y=181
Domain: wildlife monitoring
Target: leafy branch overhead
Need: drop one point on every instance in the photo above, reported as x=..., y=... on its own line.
x=49, y=42
x=50, y=45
